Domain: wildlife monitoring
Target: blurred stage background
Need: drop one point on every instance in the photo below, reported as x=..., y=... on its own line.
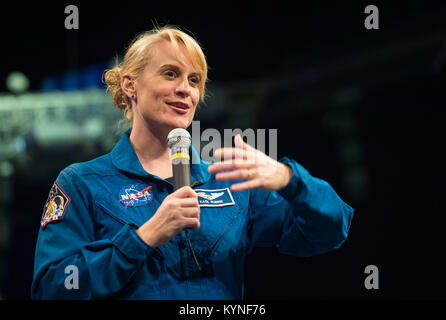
x=361, y=109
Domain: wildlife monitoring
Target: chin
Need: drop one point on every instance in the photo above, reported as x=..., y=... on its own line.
x=180, y=124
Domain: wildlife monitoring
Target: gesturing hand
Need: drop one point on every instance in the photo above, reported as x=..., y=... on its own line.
x=247, y=163
x=178, y=211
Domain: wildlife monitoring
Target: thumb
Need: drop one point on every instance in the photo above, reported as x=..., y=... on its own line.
x=185, y=192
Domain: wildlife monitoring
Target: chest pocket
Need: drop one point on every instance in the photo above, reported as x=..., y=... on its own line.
x=222, y=214
x=111, y=215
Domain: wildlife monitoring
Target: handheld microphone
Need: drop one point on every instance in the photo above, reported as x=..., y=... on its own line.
x=179, y=141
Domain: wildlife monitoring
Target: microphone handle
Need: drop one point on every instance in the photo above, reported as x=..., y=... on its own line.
x=181, y=175
x=181, y=178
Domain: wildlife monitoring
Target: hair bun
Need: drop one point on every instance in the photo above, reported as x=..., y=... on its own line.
x=112, y=78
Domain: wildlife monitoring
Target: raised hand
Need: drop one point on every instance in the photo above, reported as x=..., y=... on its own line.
x=247, y=163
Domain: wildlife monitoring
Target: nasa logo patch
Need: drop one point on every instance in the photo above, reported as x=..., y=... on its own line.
x=55, y=205
x=135, y=195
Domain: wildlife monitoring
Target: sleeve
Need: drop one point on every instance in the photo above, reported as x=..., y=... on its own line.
x=305, y=218
x=69, y=262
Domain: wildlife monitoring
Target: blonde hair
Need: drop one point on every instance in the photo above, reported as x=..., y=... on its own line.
x=137, y=56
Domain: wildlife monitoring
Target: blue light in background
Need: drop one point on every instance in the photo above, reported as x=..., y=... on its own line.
x=86, y=78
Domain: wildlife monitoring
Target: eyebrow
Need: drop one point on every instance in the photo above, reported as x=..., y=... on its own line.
x=177, y=69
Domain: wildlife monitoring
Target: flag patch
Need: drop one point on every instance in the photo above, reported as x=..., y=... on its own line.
x=55, y=205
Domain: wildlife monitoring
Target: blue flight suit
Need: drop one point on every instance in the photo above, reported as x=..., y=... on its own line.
x=94, y=208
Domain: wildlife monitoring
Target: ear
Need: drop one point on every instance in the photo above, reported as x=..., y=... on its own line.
x=128, y=86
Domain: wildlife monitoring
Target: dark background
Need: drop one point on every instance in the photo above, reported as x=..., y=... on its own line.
x=361, y=109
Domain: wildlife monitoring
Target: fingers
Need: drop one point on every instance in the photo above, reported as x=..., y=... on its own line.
x=188, y=207
x=228, y=165
x=242, y=156
x=191, y=223
x=242, y=150
x=193, y=212
x=250, y=184
x=190, y=212
x=232, y=153
x=188, y=202
x=185, y=192
x=239, y=143
x=235, y=175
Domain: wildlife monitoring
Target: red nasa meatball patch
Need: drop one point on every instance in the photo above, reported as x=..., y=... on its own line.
x=135, y=195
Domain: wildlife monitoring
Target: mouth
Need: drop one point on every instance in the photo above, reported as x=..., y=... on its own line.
x=179, y=107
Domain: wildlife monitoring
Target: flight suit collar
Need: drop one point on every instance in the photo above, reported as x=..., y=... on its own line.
x=124, y=158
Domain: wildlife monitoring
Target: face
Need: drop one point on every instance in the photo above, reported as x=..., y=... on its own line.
x=167, y=90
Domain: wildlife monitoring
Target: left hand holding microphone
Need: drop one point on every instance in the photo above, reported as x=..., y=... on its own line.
x=247, y=163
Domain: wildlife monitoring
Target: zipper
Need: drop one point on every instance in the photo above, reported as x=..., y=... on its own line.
x=107, y=211
x=192, y=249
x=212, y=247
x=194, y=183
x=183, y=257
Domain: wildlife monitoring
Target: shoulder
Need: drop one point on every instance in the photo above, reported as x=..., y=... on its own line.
x=100, y=166
x=86, y=175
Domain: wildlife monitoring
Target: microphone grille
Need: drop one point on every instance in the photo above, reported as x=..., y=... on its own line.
x=179, y=138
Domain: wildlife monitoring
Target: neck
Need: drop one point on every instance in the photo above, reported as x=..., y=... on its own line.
x=151, y=148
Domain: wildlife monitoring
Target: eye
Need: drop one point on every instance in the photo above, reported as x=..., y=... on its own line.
x=170, y=74
x=194, y=80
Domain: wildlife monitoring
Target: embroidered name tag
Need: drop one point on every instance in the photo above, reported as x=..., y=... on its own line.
x=215, y=197
x=135, y=195
x=55, y=205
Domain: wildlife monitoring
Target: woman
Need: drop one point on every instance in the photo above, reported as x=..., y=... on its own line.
x=120, y=231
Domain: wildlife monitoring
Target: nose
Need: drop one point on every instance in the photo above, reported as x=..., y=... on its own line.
x=183, y=88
